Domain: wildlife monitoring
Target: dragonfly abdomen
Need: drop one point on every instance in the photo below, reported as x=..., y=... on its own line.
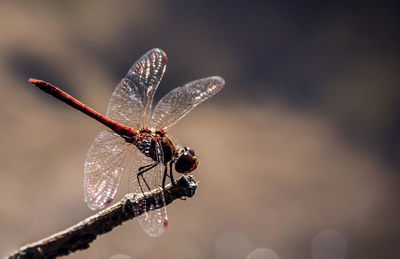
x=122, y=130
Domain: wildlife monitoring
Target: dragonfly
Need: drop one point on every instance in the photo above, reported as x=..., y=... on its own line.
x=136, y=141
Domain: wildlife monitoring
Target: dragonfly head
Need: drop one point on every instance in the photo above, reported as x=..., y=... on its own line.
x=187, y=161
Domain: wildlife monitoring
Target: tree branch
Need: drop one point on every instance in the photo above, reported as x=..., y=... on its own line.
x=79, y=236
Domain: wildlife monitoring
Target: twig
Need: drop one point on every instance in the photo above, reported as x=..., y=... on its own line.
x=79, y=236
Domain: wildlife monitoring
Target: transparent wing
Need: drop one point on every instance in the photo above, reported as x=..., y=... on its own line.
x=131, y=101
x=177, y=103
x=153, y=222
x=105, y=161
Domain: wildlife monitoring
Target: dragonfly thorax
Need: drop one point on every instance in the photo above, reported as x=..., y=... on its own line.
x=149, y=143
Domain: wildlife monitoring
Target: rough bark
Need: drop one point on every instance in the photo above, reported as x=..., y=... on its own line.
x=79, y=236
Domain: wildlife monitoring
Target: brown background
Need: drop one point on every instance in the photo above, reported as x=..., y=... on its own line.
x=299, y=153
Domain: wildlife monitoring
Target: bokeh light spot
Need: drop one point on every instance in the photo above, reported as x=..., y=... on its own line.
x=231, y=245
x=329, y=244
x=120, y=256
x=262, y=253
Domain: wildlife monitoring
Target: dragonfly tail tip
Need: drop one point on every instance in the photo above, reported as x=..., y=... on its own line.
x=33, y=81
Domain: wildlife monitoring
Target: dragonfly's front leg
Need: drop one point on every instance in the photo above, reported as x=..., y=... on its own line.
x=170, y=176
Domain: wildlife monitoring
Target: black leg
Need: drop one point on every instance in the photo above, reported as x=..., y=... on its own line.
x=146, y=166
x=164, y=177
x=171, y=175
x=143, y=170
x=140, y=185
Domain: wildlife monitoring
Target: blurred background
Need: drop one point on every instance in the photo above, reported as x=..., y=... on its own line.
x=299, y=154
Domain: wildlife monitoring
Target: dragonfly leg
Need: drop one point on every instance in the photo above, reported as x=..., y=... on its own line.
x=171, y=176
x=145, y=167
x=143, y=170
x=164, y=177
x=140, y=185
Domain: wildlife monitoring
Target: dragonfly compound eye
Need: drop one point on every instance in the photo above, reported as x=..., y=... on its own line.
x=187, y=161
x=191, y=151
